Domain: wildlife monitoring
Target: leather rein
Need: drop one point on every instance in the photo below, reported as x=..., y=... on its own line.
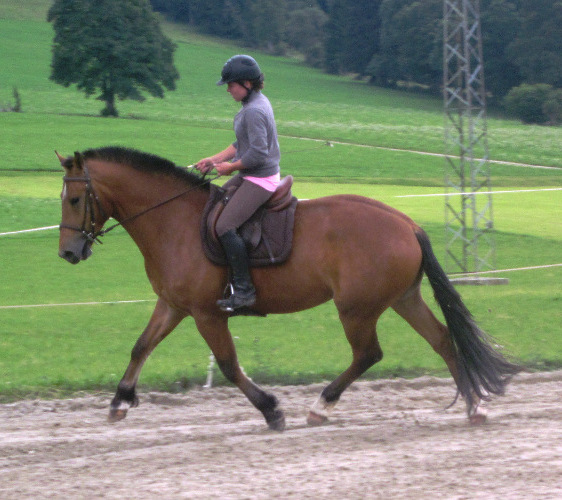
x=92, y=203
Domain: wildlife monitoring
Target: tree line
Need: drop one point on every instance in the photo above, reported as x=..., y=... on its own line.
x=117, y=49
x=389, y=42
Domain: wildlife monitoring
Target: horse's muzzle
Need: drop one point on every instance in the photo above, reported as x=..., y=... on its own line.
x=79, y=249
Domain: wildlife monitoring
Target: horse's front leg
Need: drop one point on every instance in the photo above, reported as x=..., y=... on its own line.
x=164, y=319
x=214, y=330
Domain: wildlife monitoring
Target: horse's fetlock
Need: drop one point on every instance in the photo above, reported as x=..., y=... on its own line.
x=125, y=394
x=268, y=402
x=331, y=398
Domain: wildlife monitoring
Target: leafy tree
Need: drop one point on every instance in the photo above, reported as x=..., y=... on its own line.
x=537, y=50
x=411, y=43
x=552, y=107
x=267, y=17
x=305, y=32
x=177, y=10
x=115, y=47
x=527, y=102
x=500, y=24
x=353, y=35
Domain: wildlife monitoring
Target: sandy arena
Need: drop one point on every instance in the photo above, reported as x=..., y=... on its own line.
x=388, y=439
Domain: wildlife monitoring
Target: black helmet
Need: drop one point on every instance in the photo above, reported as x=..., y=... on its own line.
x=239, y=68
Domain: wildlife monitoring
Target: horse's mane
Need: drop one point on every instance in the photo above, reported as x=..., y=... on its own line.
x=145, y=162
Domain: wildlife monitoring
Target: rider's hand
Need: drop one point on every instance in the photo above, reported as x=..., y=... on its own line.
x=225, y=168
x=205, y=165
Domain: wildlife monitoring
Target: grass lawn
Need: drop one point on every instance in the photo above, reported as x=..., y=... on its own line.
x=374, y=134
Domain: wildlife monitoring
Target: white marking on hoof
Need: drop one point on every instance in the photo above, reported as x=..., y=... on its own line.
x=479, y=415
x=118, y=413
x=315, y=419
x=123, y=406
x=320, y=411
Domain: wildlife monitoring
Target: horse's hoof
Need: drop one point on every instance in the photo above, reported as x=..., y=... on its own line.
x=316, y=419
x=479, y=416
x=477, y=419
x=277, y=423
x=115, y=414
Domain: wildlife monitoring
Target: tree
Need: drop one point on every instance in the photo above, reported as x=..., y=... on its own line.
x=266, y=18
x=411, y=43
x=500, y=24
x=353, y=32
x=305, y=32
x=115, y=47
x=537, y=49
x=527, y=102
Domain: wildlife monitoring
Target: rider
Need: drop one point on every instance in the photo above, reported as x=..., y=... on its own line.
x=255, y=156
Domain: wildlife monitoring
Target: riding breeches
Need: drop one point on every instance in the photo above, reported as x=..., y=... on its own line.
x=247, y=198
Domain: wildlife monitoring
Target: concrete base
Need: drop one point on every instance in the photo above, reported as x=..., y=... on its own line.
x=479, y=281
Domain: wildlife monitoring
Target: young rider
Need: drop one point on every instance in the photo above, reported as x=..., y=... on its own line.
x=255, y=157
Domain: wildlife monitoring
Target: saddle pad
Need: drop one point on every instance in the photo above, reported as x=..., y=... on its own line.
x=268, y=233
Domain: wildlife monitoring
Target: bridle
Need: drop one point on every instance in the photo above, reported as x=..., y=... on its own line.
x=91, y=203
x=92, y=233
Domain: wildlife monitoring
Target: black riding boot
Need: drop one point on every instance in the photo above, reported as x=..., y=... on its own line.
x=244, y=293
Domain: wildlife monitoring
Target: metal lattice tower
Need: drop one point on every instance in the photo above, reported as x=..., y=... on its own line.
x=470, y=246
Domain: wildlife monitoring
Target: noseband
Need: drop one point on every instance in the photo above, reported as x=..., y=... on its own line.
x=91, y=203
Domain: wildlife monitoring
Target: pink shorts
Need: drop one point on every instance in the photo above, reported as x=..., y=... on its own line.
x=268, y=183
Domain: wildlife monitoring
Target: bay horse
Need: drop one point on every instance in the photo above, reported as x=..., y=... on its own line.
x=360, y=253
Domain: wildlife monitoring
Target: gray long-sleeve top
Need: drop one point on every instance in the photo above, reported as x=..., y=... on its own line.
x=256, y=143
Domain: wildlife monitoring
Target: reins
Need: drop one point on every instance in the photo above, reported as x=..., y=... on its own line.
x=93, y=235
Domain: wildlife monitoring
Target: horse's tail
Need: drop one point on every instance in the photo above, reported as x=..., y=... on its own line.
x=482, y=370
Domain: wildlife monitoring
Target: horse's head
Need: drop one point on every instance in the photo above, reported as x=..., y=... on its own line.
x=82, y=214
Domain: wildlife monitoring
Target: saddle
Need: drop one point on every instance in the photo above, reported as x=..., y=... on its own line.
x=268, y=233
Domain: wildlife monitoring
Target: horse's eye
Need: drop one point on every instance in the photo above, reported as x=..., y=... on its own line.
x=74, y=201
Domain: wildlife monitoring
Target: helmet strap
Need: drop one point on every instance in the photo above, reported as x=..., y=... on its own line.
x=248, y=94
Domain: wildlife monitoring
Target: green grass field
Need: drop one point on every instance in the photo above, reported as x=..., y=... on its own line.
x=52, y=350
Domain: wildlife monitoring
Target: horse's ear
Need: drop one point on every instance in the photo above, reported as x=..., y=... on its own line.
x=60, y=157
x=78, y=160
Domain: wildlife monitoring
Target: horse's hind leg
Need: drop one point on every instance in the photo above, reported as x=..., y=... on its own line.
x=217, y=335
x=361, y=333
x=416, y=312
x=164, y=319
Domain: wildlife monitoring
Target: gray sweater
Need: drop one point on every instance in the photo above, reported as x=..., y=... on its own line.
x=256, y=137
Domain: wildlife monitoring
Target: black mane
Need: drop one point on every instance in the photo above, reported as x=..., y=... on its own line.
x=145, y=162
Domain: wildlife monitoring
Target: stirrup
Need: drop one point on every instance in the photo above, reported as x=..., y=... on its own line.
x=236, y=301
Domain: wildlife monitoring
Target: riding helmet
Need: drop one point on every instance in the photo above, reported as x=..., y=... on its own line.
x=239, y=68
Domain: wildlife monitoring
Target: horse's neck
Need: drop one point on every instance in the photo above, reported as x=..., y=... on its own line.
x=140, y=203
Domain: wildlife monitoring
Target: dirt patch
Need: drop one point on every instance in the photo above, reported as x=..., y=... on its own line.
x=386, y=439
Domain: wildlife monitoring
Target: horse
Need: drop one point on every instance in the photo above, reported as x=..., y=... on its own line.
x=360, y=253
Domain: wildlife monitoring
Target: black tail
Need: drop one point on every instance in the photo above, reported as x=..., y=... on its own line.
x=482, y=370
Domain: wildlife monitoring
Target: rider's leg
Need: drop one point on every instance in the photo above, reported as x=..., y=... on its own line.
x=244, y=202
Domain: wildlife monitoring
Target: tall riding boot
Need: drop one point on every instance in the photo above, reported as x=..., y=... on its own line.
x=244, y=293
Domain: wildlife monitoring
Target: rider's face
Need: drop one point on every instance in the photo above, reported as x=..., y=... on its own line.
x=237, y=91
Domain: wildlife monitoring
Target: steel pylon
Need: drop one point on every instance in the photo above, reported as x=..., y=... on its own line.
x=470, y=245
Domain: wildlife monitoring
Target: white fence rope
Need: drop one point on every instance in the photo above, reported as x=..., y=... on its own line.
x=66, y=304
x=29, y=230
x=479, y=192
